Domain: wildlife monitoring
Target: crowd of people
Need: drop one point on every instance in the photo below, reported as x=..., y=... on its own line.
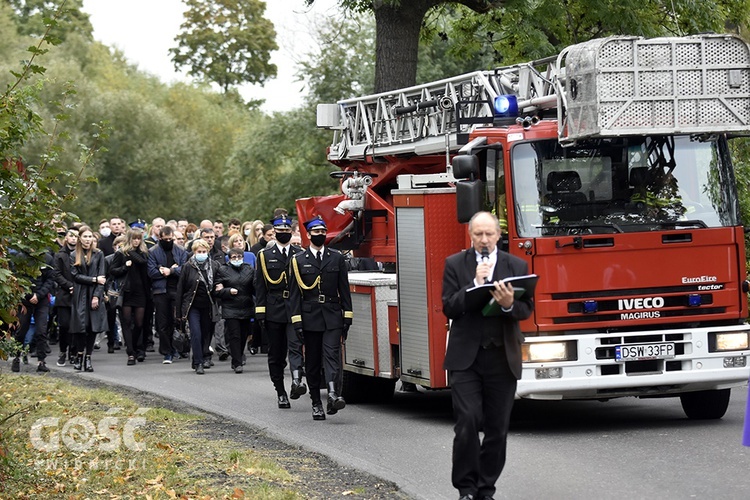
x=194, y=292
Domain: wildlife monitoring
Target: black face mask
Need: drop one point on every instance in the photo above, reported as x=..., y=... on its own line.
x=62, y=234
x=166, y=245
x=283, y=238
x=318, y=239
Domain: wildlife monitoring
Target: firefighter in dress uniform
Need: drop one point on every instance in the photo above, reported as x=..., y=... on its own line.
x=273, y=311
x=321, y=313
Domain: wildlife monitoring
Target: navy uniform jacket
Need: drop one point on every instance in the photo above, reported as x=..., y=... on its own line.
x=319, y=294
x=272, y=280
x=468, y=322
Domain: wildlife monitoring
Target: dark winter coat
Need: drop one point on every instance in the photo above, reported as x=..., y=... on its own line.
x=119, y=270
x=188, y=286
x=63, y=278
x=84, y=289
x=238, y=306
x=158, y=257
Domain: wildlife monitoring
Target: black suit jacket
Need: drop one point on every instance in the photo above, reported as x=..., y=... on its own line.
x=465, y=337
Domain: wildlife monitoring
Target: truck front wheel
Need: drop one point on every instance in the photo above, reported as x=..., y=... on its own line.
x=705, y=405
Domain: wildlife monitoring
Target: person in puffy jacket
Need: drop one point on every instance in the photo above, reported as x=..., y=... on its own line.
x=234, y=285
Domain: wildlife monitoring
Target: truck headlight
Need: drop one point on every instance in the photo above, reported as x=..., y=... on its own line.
x=732, y=341
x=537, y=352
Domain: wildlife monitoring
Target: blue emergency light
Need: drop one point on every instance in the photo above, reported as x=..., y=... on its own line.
x=694, y=300
x=506, y=106
x=590, y=306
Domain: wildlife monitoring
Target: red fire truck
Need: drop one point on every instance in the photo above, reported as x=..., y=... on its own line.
x=608, y=166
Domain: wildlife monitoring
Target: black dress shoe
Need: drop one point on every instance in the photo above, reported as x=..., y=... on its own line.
x=317, y=412
x=110, y=350
x=298, y=389
x=223, y=356
x=335, y=403
x=284, y=401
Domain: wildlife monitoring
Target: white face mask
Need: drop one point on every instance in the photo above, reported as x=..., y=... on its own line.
x=247, y=232
x=105, y=232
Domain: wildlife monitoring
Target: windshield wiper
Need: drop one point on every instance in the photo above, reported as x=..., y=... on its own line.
x=567, y=226
x=683, y=223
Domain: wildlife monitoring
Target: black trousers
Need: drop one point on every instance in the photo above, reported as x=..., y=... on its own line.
x=40, y=312
x=112, y=322
x=165, y=314
x=482, y=401
x=322, y=350
x=65, y=339
x=236, y=332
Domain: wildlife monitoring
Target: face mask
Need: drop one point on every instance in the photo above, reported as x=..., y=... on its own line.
x=166, y=245
x=105, y=232
x=62, y=234
x=236, y=263
x=201, y=257
x=283, y=238
x=318, y=239
x=247, y=232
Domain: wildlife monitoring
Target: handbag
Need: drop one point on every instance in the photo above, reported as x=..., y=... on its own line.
x=180, y=341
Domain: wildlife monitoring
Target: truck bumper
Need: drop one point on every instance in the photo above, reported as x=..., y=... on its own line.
x=596, y=374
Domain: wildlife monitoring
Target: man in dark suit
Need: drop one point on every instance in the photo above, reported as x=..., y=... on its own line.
x=483, y=357
x=321, y=313
x=273, y=311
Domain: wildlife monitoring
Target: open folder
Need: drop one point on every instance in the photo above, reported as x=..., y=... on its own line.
x=523, y=286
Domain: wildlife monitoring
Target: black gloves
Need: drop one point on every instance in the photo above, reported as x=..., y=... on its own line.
x=261, y=323
x=345, y=332
x=300, y=335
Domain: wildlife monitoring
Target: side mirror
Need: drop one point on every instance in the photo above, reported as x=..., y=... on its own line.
x=465, y=167
x=469, y=199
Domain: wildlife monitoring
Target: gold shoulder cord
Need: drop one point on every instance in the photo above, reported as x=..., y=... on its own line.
x=299, y=278
x=265, y=271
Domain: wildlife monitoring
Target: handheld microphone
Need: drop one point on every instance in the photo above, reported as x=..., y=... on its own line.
x=485, y=259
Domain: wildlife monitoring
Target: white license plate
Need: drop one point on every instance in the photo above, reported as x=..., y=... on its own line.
x=640, y=352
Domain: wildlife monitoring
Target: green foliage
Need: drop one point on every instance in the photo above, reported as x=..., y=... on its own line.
x=31, y=15
x=341, y=43
x=30, y=189
x=277, y=160
x=227, y=42
x=525, y=30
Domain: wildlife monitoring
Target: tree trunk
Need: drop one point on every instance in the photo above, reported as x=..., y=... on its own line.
x=397, y=31
x=397, y=43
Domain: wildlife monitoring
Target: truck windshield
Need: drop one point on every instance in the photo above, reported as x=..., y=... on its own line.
x=625, y=184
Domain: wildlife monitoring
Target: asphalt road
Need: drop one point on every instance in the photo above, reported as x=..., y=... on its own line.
x=622, y=449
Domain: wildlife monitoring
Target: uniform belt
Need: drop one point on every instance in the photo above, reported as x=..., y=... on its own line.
x=284, y=294
x=323, y=299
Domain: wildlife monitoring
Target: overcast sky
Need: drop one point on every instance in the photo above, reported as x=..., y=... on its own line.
x=144, y=30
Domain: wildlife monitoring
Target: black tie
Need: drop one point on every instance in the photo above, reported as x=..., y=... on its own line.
x=284, y=252
x=320, y=258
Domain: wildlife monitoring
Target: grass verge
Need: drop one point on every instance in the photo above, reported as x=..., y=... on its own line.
x=61, y=440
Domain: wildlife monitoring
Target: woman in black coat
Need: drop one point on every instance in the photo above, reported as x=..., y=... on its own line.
x=88, y=314
x=129, y=266
x=234, y=285
x=194, y=303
